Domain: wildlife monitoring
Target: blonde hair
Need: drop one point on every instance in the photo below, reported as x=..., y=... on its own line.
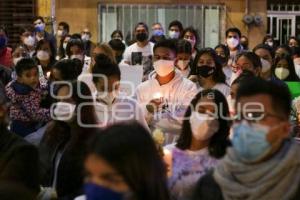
x=107, y=50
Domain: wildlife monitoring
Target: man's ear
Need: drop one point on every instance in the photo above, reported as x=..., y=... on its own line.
x=286, y=129
x=175, y=61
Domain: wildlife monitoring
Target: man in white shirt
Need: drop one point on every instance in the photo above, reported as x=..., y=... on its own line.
x=140, y=53
x=166, y=95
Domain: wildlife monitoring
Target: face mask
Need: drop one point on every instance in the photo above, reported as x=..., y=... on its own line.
x=107, y=97
x=163, y=67
x=43, y=55
x=232, y=43
x=266, y=65
x=141, y=37
x=77, y=56
x=65, y=46
x=174, y=34
x=40, y=27
x=192, y=42
x=183, y=64
x=3, y=42
x=270, y=44
x=157, y=33
x=205, y=70
x=203, y=126
x=85, y=37
x=64, y=111
x=29, y=41
x=16, y=60
x=223, y=60
x=250, y=141
x=97, y=192
x=282, y=73
x=60, y=33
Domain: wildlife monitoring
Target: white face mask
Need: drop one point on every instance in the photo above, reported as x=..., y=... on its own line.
x=163, y=67
x=85, y=37
x=78, y=56
x=192, y=42
x=183, y=64
x=203, y=126
x=270, y=44
x=107, y=97
x=60, y=33
x=29, y=41
x=266, y=65
x=282, y=73
x=43, y=55
x=174, y=34
x=16, y=60
x=65, y=46
x=232, y=42
x=64, y=111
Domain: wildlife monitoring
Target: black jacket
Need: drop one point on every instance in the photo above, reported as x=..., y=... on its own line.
x=18, y=161
x=5, y=75
x=70, y=171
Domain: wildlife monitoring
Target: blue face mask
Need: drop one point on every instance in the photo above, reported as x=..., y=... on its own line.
x=97, y=192
x=250, y=141
x=3, y=42
x=157, y=33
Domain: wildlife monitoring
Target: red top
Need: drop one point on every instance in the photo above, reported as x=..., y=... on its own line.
x=6, y=57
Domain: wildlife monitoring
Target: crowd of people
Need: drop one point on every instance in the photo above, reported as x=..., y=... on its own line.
x=205, y=123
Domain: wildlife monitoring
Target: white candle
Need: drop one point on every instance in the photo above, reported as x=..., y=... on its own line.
x=157, y=95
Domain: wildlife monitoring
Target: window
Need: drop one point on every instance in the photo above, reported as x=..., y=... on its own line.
x=209, y=20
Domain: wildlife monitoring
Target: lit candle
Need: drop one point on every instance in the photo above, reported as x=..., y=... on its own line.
x=48, y=74
x=168, y=161
x=157, y=95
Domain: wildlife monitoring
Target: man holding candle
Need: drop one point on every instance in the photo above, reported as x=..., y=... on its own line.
x=166, y=95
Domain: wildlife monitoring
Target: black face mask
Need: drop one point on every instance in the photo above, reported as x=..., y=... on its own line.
x=223, y=60
x=205, y=71
x=141, y=37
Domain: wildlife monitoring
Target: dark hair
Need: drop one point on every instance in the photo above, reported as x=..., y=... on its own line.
x=255, y=59
x=117, y=45
x=219, y=76
x=218, y=142
x=225, y=49
x=265, y=47
x=184, y=46
x=37, y=18
x=267, y=37
x=52, y=48
x=279, y=93
x=59, y=130
x=28, y=28
x=74, y=42
x=294, y=38
x=141, y=24
x=191, y=30
x=167, y=43
x=105, y=66
x=243, y=76
x=76, y=36
x=69, y=69
x=25, y=64
x=295, y=51
x=285, y=47
x=65, y=26
x=292, y=75
x=233, y=30
x=131, y=151
x=116, y=32
x=176, y=23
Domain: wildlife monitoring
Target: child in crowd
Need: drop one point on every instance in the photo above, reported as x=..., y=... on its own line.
x=25, y=94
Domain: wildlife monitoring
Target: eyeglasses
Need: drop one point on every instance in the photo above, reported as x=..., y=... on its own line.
x=255, y=116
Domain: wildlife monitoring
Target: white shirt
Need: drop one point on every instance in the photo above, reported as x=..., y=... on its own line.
x=177, y=95
x=221, y=87
x=146, y=51
x=123, y=109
